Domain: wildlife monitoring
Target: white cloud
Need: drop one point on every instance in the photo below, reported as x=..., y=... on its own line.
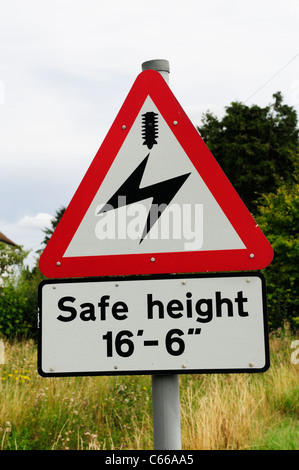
x=39, y=221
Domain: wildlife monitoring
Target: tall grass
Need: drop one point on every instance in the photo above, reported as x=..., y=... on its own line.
x=243, y=411
x=223, y=411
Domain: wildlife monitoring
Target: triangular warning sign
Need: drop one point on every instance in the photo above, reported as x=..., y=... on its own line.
x=154, y=200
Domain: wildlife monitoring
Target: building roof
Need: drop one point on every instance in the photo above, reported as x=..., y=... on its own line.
x=4, y=239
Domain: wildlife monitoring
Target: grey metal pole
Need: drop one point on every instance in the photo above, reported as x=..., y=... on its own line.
x=165, y=388
x=166, y=412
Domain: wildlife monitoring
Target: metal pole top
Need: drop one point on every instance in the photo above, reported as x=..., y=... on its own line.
x=161, y=65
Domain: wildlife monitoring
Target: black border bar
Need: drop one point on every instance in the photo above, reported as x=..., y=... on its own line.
x=153, y=277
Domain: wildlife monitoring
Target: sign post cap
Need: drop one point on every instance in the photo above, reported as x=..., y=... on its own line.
x=161, y=65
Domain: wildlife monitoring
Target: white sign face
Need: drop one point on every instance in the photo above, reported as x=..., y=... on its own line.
x=188, y=221
x=151, y=325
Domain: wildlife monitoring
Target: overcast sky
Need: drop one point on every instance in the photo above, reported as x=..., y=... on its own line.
x=66, y=67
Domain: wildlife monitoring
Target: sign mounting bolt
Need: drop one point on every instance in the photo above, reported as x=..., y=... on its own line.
x=58, y=263
x=175, y=123
x=153, y=260
x=123, y=126
x=251, y=255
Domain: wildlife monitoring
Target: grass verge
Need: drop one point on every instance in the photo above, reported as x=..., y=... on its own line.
x=218, y=411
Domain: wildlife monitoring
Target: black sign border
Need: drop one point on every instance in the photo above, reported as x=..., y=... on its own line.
x=153, y=277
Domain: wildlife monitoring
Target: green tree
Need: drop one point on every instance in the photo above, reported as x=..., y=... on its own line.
x=10, y=258
x=54, y=222
x=256, y=147
x=12, y=302
x=19, y=289
x=279, y=219
x=12, y=311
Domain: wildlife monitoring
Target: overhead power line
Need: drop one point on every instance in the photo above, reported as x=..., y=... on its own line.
x=273, y=76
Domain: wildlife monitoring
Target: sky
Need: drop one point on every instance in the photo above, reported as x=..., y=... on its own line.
x=67, y=66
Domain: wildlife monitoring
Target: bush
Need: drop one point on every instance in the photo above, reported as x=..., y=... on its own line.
x=12, y=309
x=279, y=219
x=19, y=305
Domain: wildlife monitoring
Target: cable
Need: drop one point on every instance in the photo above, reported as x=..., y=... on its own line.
x=266, y=83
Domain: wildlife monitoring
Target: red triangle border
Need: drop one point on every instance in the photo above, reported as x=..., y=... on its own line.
x=258, y=253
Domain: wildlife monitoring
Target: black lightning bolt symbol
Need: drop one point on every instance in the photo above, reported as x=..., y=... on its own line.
x=130, y=191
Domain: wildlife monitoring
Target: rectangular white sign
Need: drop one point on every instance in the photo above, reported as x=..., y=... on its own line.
x=153, y=325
